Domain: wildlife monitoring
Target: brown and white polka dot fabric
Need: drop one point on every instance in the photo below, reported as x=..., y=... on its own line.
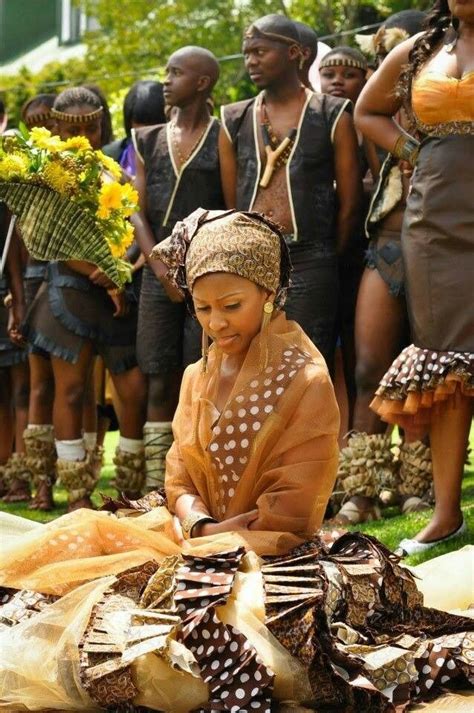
x=244, y=417
x=417, y=369
x=238, y=679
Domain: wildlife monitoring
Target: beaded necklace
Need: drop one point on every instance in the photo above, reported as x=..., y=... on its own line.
x=181, y=158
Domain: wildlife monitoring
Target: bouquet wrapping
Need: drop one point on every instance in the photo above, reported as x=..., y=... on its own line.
x=68, y=200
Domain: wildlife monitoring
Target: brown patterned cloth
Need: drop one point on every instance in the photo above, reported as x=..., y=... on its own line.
x=237, y=678
x=355, y=618
x=237, y=242
x=105, y=672
x=17, y=606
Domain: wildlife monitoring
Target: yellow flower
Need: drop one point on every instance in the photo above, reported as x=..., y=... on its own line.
x=130, y=199
x=116, y=250
x=110, y=198
x=13, y=166
x=110, y=165
x=59, y=179
x=43, y=139
x=77, y=143
x=129, y=236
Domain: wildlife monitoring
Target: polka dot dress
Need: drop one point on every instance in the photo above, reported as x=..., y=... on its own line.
x=234, y=434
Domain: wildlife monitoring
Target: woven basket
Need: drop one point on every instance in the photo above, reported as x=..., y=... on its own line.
x=54, y=228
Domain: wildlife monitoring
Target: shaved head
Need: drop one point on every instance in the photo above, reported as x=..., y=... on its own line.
x=200, y=60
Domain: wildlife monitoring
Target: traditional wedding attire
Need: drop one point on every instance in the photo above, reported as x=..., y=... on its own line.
x=310, y=176
x=123, y=616
x=171, y=340
x=438, y=250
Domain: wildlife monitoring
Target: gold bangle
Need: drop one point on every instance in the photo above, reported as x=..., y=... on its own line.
x=191, y=520
x=406, y=148
x=114, y=291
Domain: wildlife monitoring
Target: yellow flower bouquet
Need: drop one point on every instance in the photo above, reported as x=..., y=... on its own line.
x=68, y=200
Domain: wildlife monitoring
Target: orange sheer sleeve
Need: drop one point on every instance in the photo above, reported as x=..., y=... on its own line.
x=177, y=480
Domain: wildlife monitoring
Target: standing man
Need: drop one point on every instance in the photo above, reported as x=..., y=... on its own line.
x=177, y=172
x=292, y=154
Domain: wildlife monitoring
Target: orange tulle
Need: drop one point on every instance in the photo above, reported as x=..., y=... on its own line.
x=417, y=408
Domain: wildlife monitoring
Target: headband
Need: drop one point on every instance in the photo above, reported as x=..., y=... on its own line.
x=38, y=119
x=343, y=62
x=76, y=118
x=254, y=31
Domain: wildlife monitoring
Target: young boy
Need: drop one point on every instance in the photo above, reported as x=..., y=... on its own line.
x=177, y=172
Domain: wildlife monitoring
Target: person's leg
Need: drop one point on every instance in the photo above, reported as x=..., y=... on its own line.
x=21, y=392
x=351, y=269
x=312, y=298
x=89, y=410
x=6, y=419
x=39, y=435
x=449, y=434
x=19, y=473
x=380, y=326
x=73, y=469
x=160, y=357
x=131, y=389
x=40, y=409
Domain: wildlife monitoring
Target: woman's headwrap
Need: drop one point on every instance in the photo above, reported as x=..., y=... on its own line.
x=237, y=242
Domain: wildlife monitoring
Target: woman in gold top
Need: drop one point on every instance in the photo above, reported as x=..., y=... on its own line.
x=431, y=384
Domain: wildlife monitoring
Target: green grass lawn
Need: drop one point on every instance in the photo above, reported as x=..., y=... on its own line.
x=390, y=530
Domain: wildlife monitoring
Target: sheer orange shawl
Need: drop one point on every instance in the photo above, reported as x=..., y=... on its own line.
x=273, y=446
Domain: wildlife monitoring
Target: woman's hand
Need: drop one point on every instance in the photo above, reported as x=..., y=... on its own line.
x=16, y=316
x=100, y=279
x=239, y=522
x=120, y=303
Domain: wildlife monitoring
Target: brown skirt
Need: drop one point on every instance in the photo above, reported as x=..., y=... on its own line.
x=438, y=252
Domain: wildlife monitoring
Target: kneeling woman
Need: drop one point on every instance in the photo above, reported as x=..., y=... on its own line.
x=251, y=468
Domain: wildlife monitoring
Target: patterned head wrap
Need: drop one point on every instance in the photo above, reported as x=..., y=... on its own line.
x=240, y=243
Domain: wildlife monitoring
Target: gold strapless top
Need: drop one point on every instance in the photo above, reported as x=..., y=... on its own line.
x=443, y=105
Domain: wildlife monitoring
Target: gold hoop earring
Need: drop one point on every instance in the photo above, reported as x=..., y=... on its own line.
x=268, y=309
x=204, y=350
